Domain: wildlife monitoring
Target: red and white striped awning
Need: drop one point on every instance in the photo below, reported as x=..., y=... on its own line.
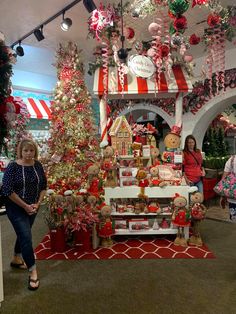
x=136, y=87
x=38, y=108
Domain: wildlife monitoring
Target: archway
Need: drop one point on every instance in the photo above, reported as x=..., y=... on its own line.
x=198, y=123
x=148, y=107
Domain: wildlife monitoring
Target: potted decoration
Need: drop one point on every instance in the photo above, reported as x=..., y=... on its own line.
x=55, y=217
x=80, y=223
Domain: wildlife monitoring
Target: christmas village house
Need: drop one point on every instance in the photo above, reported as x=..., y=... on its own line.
x=121, y=136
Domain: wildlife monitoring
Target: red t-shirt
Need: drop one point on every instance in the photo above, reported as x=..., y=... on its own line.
x=192, y=166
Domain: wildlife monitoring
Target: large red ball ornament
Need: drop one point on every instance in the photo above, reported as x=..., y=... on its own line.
x=164, y=51
x=129, y=32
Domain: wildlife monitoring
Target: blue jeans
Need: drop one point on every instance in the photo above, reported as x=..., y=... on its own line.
x=22, y=223
x=199, y=185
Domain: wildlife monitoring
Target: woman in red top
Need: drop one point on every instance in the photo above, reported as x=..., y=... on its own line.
x=193, y=170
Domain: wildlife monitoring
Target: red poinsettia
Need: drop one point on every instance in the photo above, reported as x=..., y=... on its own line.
x=180, y=23
x=194, y=39
x=213, y=20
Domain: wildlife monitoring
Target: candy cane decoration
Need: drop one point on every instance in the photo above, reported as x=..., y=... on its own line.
x=105, y=58
x=121, y=67
x=166, y=35
x=156, y=44
x=222, y=59
x=103, y=122
x=209, y=64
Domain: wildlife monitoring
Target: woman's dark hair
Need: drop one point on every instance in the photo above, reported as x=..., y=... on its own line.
x=190, y=137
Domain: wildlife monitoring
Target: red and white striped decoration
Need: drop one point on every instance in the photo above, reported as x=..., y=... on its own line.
x=177, y=82
x=38, y=108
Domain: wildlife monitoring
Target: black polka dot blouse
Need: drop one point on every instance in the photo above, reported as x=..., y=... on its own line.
x=26, y=181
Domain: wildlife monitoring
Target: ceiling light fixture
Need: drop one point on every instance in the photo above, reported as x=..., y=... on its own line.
x=19, y=50
x=89, y=5
x=66, y=22
x=38, y=33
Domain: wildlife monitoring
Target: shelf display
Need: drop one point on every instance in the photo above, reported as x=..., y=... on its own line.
x=127, y=207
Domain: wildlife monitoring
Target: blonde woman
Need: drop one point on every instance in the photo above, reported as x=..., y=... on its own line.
x=24, y=185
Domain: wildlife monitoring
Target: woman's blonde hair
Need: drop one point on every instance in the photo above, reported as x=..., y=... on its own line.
x=27, y=142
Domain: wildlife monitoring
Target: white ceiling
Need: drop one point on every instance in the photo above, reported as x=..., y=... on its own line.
x=19, y=17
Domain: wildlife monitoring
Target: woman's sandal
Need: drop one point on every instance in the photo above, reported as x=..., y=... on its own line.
x=18, y=265
x=30, y=280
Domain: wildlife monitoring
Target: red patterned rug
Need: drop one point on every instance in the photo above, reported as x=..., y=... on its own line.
x=143, y=247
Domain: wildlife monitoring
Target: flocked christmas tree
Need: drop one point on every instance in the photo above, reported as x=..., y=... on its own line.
x=72, y=145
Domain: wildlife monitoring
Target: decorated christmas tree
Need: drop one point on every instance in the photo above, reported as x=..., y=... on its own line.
x=72, y=144
x=5, y=74
x=222, y=148
x=14, y=115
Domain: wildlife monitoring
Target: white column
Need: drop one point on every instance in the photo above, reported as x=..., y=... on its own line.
x=179, y=109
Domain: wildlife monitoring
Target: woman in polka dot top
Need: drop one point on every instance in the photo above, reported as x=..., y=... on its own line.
x=24, y=184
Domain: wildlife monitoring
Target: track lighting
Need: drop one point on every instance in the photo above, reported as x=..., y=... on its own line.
x=89, y=5
x=38, y=33
x=66, y=23
x=20, y=50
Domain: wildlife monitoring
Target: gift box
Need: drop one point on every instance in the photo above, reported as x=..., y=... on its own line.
x=138, y=224
x=146, y=151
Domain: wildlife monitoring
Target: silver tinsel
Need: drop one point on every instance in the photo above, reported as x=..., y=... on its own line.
x=177, y=40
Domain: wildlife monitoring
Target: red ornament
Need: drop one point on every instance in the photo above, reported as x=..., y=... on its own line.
x=129, y=32
x=171, y=14
x=80, y=107
x=198, y=2
x=164, y=51
x=17, y=107
x=180, y=23
x=213, y=20
x=194, y=39
x=59, y=210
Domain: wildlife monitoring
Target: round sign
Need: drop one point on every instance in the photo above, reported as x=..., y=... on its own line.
x=141, y=66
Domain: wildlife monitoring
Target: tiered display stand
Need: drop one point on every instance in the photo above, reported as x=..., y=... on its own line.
x=151, y=192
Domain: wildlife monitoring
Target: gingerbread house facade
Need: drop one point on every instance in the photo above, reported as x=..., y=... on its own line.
x=121, y=136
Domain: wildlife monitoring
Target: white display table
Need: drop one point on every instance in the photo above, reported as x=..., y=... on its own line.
x=151, y=192
x=1, y=270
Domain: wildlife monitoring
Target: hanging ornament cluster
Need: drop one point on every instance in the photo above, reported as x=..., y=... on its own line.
x=169, y=45
x=101, y=20
x=143, y=8
x=176, y=10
